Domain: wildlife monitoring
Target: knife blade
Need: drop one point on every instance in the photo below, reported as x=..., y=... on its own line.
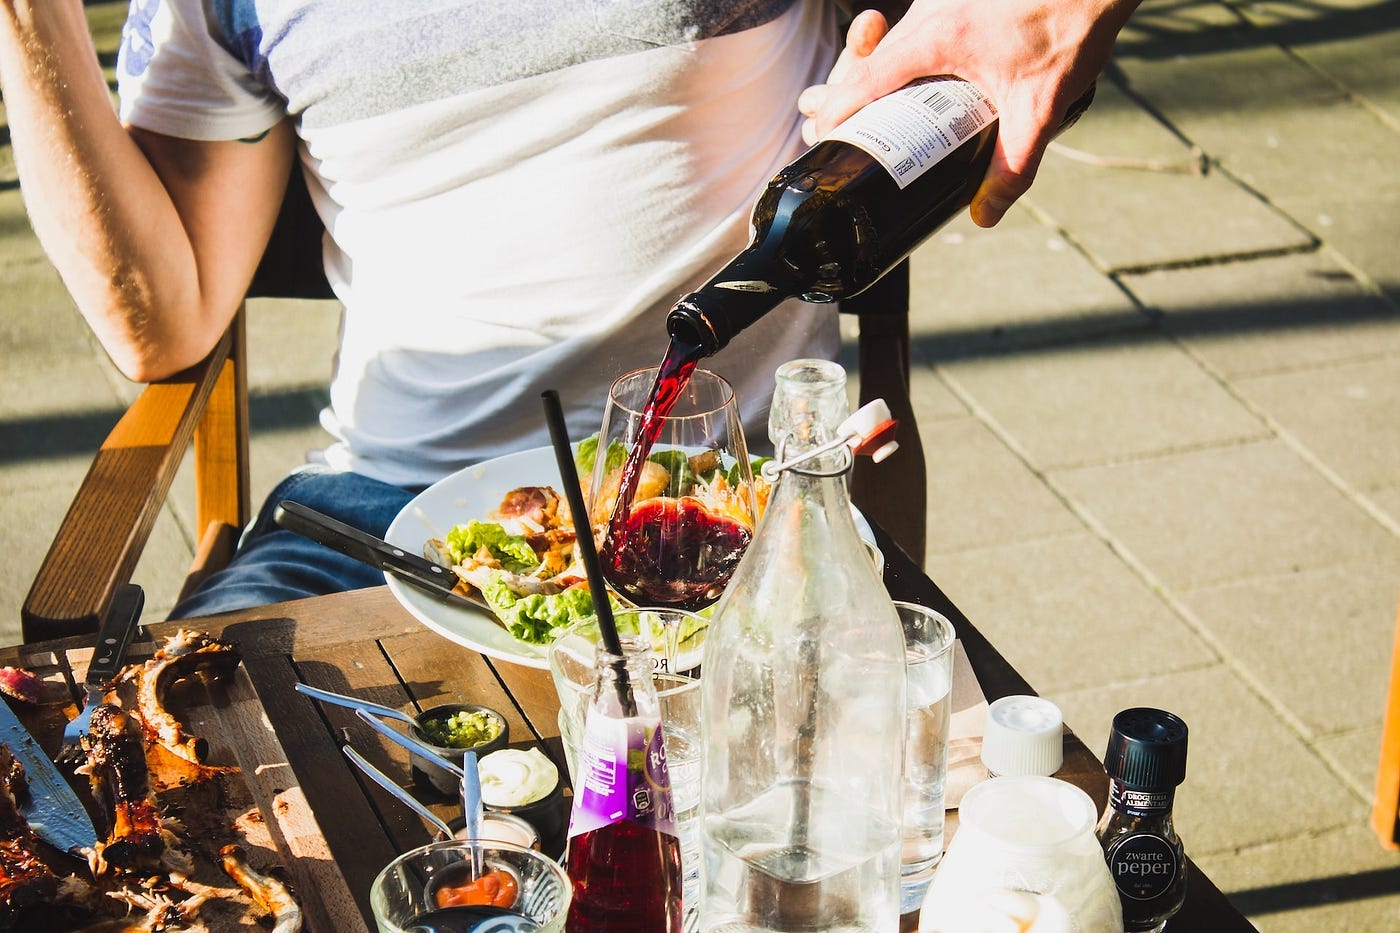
x=53, y=809
x=434, y=579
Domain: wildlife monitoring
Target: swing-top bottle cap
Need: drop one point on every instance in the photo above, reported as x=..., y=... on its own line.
x=1147, y=748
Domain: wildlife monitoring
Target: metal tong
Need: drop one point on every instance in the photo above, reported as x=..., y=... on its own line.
x=371, y=713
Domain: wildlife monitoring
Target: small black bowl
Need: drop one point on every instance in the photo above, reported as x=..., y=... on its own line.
x=429, y=775
x=546, y=814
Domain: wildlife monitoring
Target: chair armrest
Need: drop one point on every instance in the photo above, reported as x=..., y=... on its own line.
x=109, y=521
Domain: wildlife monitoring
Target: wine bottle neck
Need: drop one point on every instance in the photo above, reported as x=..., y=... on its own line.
x=748, y=287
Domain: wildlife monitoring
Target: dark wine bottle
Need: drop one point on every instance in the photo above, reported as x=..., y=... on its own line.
x=846, y=211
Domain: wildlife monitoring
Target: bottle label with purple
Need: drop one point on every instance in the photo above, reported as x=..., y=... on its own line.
x=623, y=762
x=911, y=130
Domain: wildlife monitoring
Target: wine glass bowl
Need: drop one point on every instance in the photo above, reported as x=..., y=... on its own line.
x=673, y=489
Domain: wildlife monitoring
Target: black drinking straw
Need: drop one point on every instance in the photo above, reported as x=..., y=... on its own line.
x=593, y=570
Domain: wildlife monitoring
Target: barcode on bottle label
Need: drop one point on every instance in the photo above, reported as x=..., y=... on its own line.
x=911, y=130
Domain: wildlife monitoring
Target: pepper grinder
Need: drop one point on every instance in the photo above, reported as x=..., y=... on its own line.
x=1146, y=760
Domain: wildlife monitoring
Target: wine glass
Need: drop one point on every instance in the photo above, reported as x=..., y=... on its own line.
x=673, y=487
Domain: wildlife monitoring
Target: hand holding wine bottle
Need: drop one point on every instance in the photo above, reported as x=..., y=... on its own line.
x=1033, y=58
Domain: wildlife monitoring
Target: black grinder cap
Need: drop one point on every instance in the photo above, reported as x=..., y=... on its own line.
x=1147, y=748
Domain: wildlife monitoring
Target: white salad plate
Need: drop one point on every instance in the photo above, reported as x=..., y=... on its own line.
x=472, y=493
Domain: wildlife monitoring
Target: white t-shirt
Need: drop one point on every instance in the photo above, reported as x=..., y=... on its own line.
x=515, y=194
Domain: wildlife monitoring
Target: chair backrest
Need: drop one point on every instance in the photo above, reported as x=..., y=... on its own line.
x=292, y=266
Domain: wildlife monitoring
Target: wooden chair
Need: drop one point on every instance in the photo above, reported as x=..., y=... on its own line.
x=109, y=521
x=1385, y=814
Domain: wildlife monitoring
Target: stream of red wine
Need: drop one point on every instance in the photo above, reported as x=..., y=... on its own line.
x=671, y=380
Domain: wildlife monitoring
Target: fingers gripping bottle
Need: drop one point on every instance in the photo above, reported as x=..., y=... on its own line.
x=624, y=853
x=803, y=701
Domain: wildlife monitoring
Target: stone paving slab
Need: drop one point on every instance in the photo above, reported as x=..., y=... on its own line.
x=1116, y=214
x=1309, y=638
x=1029, y=287
x=1388, y=501
x=1104, y=400
x=1367, y=65
x=39, y=325
x=981, y=494
x=1215, y=70
x=1311, y=874
x=931, y=398
x=1355, y=756
x=1249, y=779
x=1362, y=231
x=1267, y=315
x=1347, y=415
x=17, y=238
x=1043, y=601
x=1226, y=513
x=1326, y=148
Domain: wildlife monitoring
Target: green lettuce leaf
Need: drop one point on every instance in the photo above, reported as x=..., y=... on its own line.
x=513, y=551
x=678, y=465
x=538, y=619
x=587, y=455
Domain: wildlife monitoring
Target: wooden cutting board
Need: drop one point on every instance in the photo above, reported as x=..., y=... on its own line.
x=254, y=800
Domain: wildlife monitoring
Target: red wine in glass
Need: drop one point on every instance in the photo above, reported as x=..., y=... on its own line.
x=673, y=552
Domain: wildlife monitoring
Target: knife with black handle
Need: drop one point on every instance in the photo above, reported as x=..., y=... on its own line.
x=434, y=579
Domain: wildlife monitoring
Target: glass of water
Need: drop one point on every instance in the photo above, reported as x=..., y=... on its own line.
x=928, y=642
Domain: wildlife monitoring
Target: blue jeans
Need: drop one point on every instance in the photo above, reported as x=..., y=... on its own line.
x=273, y=565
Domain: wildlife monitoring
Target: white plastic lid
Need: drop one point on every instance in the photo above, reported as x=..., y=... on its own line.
x=1023, y=735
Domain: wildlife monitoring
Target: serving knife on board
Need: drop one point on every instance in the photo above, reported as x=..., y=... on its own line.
x=108, y=656
x=52, y=808
x=434, y=579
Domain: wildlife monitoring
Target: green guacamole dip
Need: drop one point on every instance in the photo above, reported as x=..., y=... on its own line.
x=462, y=729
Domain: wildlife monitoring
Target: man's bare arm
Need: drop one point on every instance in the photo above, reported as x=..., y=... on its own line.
x=156, y=238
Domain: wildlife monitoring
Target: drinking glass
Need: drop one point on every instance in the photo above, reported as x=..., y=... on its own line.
x=678, y=640
x=1024, y=853
x=928, y=647
x=406, y=894
x=675, y=490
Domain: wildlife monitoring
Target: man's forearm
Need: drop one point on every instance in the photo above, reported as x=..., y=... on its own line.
x=98, y=207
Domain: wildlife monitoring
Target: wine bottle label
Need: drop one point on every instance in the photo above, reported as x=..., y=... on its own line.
x=623, y=765
x=911, y=130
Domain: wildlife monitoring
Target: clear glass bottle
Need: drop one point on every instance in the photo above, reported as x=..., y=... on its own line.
x=624, y=853
x=803, y=701
x=1146, y=760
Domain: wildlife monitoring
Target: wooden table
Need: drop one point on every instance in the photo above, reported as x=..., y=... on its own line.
x=363, y=643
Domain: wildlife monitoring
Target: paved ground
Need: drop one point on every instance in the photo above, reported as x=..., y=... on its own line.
x=1161, y=406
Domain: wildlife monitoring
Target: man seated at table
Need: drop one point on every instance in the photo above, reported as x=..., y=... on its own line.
x=514, y=195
